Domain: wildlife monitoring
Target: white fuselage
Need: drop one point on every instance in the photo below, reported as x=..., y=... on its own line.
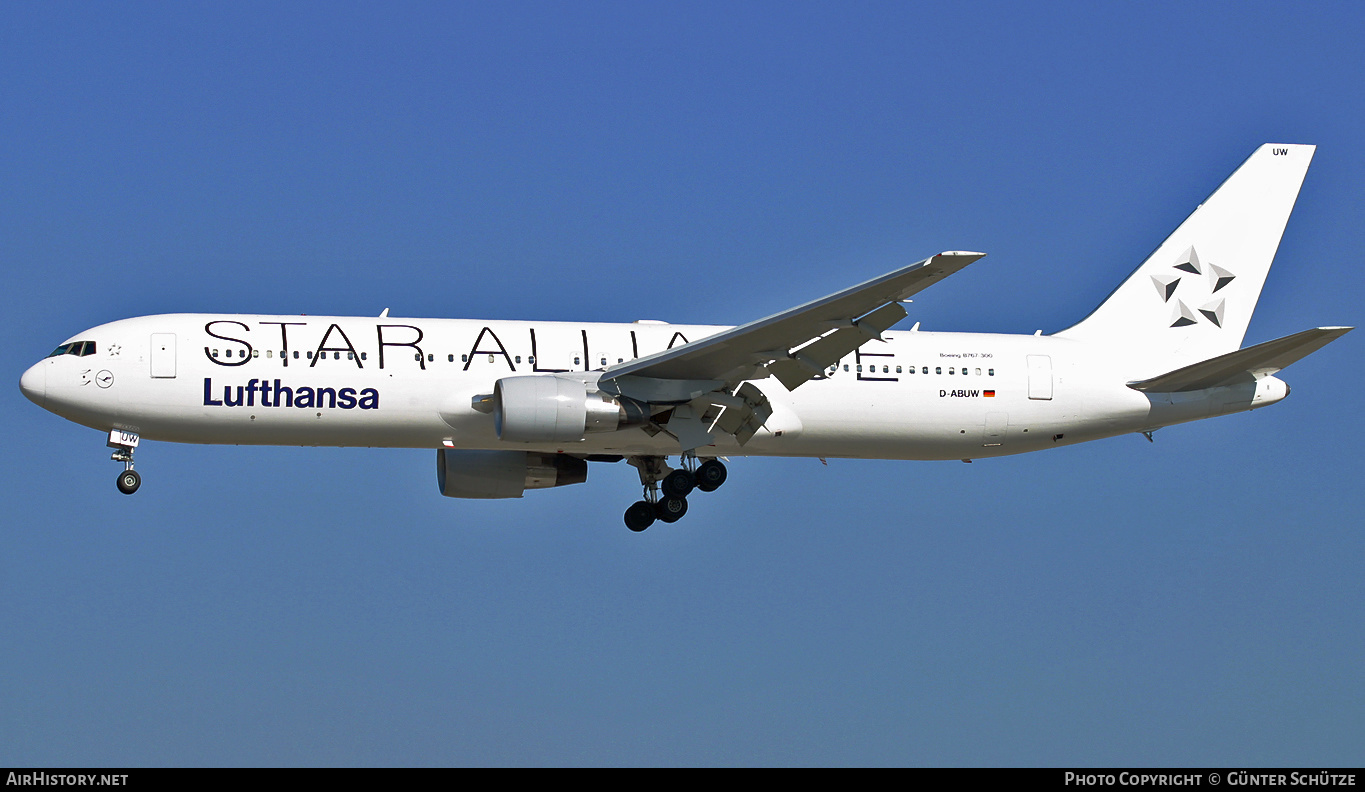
x=394, y=382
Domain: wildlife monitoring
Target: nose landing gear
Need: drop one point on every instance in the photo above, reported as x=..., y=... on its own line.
x=666, y=490
x=123, y=444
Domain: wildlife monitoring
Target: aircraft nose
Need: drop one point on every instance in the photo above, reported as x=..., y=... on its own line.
x=34, y=383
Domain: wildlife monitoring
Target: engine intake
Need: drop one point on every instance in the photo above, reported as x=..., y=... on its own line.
x=558, y=410
x=504, y=474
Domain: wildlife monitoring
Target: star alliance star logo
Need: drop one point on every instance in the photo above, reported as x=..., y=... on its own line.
x=1201, y=290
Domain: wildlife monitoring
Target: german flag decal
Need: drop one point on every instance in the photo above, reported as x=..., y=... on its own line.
x=988, y=394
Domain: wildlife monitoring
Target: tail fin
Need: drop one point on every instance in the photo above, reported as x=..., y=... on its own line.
x=1192, y=298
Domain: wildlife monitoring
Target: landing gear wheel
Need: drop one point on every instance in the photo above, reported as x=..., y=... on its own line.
x=710, y=475
x=670, y=508
x=129, y=481
x=678, y=484
x=640, y=516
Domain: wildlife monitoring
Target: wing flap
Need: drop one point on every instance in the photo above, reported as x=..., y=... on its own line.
x=1244, y=364
x=811, y=360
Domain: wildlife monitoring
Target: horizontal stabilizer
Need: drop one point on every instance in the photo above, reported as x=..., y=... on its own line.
x=1244, y=364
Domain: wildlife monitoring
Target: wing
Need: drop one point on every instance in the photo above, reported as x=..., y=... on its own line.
x=852, y=316
x=794, y=346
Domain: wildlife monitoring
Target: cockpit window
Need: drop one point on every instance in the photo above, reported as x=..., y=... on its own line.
x=77, y=348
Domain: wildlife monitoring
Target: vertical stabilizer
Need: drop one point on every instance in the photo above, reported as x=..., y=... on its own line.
x=1192, y=299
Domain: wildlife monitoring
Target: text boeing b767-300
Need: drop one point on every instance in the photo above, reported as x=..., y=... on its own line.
x=511, y=406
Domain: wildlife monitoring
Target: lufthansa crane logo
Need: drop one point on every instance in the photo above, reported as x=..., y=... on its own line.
x=1178, y=289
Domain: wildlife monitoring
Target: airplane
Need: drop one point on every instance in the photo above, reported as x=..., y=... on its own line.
x=511, y=406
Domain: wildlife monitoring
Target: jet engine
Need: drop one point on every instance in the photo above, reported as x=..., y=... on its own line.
x=504, y=474
x=558, y=410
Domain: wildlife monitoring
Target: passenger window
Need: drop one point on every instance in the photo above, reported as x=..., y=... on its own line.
x=296, y=354
x=577, y=361
x=845, y=367
x=531, y=359
x=924, y=370
x=450, y=358
x=431, y=358
x=350, y=356
x=215, y=353
x=417, y=356
x=886, y=369
x=978, y=372
x=898, y=369
x=990, y=372
x=860, y=368
x=950, y=369
x=464, y=358
x=362, y=356
x=336, y=356
x=518, y=358
x=938, y=369
x=268, y=354
x=255, y=353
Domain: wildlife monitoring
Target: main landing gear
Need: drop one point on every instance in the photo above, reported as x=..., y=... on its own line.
x=666, y=490
x=123, y=444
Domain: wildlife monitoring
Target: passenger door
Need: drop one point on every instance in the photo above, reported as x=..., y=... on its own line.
x=163, y=355
x=1039, y=377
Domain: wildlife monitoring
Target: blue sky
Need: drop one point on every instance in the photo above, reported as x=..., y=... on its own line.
x=1193, y=601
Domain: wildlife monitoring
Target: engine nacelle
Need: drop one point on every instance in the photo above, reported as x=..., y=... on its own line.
x=504, y=474
x=558, y=410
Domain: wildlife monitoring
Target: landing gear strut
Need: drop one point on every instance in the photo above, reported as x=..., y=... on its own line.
x=124, y=444
x=666, y=489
